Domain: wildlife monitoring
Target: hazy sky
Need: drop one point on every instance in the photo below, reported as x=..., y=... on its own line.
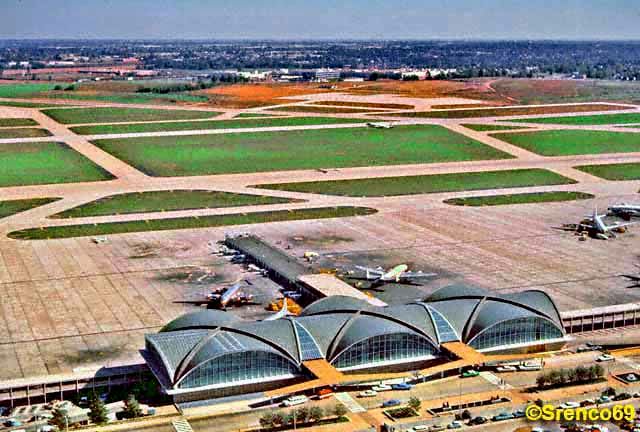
x=332, y=19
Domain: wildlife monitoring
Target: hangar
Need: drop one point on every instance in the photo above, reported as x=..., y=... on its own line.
x=213, y=353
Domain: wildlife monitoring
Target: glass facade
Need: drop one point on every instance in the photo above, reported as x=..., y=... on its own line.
x=308, y=348
x=446, y=333
x=384, y=348
x=239, y=366
x=516, y=331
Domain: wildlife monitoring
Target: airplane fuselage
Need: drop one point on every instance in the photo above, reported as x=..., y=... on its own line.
x=395, y=273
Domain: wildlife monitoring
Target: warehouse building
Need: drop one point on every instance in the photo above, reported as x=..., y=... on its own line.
x=210, y=354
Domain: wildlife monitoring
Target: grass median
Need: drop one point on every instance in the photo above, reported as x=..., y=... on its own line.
x=591, y=120
x=34, y=163
x=11, y=207
x=424, y=184
x=512, y=111
x=490, y=127
x=11, y=122
x=573, y=142
x=167, y=200
x=205, y=125
x=613, y=172
x=250, y=152
x=117, y=114
x=211, y=221
x=523, y=198
x=23, y=133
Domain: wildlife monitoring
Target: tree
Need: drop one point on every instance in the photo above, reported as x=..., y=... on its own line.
x=278, y=418
x=598, y=371
x=572, y=375
x=541, y=380
x=132, y=407
x=339, y=410
x=316, y=413
x=97, y=411
x=554, y=377
x=266, y=421
x=304, y=415
x=466, y=415
x=414, y=403
x=582, y=373
x=59, y=419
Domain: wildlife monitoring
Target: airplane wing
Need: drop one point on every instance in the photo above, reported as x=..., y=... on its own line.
x=417, y=275
x=193, y=302
x=374, y=272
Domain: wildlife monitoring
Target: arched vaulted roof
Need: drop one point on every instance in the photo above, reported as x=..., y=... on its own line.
x=329, y=326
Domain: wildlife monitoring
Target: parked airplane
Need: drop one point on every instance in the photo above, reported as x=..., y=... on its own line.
x=221, y=298
x=597, y=228
x=625, y=211
x=397, y=274
x=283, y=312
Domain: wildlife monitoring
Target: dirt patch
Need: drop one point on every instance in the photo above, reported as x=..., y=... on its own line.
x=255, y=95
x=320, y=240
x=155, y=250
x=191, y=275
x=89, y=355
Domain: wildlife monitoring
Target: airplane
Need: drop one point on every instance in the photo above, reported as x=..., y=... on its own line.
x=221, y=298
x=597, y=228
x=625, y=211
x=380, y=125
x=397, y=274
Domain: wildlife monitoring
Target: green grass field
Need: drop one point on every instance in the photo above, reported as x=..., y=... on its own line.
x=616, y=172
x=513, y=111
x=35, y=163
x=324, y=109
x=573, y=142
x=125, y=98
x=294, y=150
x=113, y=114
x=599, y=119
x=215, y=124
x=11, y=122
x=24, y=133
x=424, y=184
x=188, y=222
x=27, y=104
x=168, y=200
x=8, y=208
x=25, y=90
x=491, y=127
x=523, y=198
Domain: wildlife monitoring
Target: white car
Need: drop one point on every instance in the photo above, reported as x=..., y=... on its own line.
x=295, y=400
x=569, y=405
x=454, y=425
x=420, y=428
x=605, y=358
x=506, y=368
x=368, y=393
x=381, y=388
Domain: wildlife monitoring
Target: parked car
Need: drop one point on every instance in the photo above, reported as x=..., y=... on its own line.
x=569, y=405
x=518, y=413
x=295, y=400
x=381, y=387
x=605, y=358
x=587, y=402
x=420, y=428
x=12, y=423
x=631, y=377
x=401, y=386
x=367, y=393
x=622, y=396
x=502, y=416
x=470, y=373
x=530, y=366
x=506, y=368
x=390, y=403
x=436, y=428
x=478, y=421
x=454, y=425
x=603, y=399
x=324, y=393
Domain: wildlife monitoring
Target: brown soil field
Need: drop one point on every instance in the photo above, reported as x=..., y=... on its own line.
x=515, y=111
x=363, y=104
x=255, y=95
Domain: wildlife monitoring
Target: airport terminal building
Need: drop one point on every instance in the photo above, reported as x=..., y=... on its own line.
x=210, y=353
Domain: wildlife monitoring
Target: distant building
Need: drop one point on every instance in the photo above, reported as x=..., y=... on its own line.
x=327, y=75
